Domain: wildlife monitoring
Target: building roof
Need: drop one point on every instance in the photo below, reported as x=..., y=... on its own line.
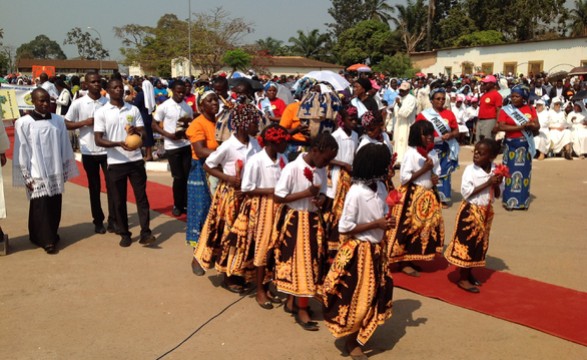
x=293, y=61
x=68, y=64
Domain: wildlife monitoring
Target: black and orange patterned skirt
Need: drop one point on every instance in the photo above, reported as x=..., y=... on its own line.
x=468, y=246
x=419, y=233
x=298, y=260
x=357, y=292
x=212, y=248
x=332, y=216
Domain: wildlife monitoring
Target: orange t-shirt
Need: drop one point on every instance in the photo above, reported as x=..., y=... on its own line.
x=290, y=120
x=202, y=129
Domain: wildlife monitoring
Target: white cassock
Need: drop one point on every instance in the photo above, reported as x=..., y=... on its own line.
x=559, y=134
x=541, y=140
x=405, y=116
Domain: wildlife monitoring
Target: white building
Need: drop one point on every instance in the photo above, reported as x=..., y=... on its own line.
x=524, y=57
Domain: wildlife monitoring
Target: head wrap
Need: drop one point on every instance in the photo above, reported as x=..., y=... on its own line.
x=522, y=91
x=365, y=83
x=243, y=115
x=367, y=119
x=269, y=85
x=201, y=93
x=436, y=91
x=305, y=85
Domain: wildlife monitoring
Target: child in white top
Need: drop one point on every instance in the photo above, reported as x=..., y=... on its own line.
x=373, y=132
x=480, y=186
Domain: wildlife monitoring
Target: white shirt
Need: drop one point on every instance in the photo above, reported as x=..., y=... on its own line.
x=80, y=110
x=557, y=119
x=365, y=139
x=51, y=89
x=261, y=172
x=292, y=181
x=471, y=112
x=347, y=146
x=169, y=112
x=473, y=176
x=63, y=100
x=231, y=150
x=112, y=121
x=361, y=206
x=413, y=162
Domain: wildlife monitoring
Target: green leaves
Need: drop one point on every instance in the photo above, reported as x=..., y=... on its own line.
x=40, y=48
x=87, y=46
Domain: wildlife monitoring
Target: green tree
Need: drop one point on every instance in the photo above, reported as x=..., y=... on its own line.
x=369, y=39
x=487, y=37
x=398, y=65
x=378, y=10
x=578, y=18
x=40, y=48
x=346, y=14
x=87, y=46
x=311, y=45
x=410, y=22
x=456, y=24
x=237, y=59
x=271, y=46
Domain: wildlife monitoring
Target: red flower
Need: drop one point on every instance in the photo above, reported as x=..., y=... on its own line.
x=502, y=170
x=393, y=158
x=260, y=141
x=309, y=174
x=393, y=198
x=239, y=166
x=281, y=163
x=422, y=151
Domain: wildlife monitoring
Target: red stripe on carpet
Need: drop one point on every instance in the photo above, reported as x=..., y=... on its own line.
x=552, y=309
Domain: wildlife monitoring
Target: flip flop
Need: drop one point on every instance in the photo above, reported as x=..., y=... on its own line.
x=267, y=305
x=408, y=270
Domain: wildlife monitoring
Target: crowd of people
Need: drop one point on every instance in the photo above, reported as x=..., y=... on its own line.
x=295, y=187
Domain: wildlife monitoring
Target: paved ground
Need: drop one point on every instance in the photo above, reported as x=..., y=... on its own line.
x=95, y=300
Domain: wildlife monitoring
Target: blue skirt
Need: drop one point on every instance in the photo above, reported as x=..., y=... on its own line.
x=447, y=167
x=199, y=200
x=517, y=158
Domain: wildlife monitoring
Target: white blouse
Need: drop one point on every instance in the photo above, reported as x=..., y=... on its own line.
x=261, y=172
x=169, y=112
x=367, y=140
x=413, y=162
x=293, y=180
x=473, y=176
x=361, y=206
x=347, y=146
x=227, y=154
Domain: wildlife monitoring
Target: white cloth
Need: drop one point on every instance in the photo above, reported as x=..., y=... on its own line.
x=404, y=117
x=413, y=162
x=261, y=172
x=169, y=112
x=423, y=99
x=361, y=206
x=541, y=140
x=112, y=121
x=51, y=89
x=367, y=140
x=80, y=110
x=42, y=156
x=559, y=135
x=149, y=92
x=63, y=100
x=474, y=176
x=292, y=180
x=471, y=112
x=231, y=150
x=461, y=116
x=4, y=146
x=347, y=146
x=578, y=120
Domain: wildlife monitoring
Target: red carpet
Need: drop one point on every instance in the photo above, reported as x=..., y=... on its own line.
x=552, y=309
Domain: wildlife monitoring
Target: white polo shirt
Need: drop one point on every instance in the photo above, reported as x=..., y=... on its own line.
x=112, y=121
x=347, y=146
x=169, y=112
x=81, y=109
x=361, y=206
x=227, y=154
x=261, y=172
x=413, y=162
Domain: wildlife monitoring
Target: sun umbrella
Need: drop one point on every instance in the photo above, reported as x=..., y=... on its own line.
x=364, y=69
x=355, y=67
x=581, y=70
x=284, y=93
x=254, y=83
x=338, y=82
x=580, y=95
x=420, y=74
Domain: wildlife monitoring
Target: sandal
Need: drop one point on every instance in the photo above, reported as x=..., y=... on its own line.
x=408, y=270
x=472, y=289
x=233, y=288
x=308, y=326
x=267, y=305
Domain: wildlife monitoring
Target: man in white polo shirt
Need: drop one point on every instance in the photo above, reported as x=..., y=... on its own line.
x=81, y=116
x=177, y=147
x=112, y=123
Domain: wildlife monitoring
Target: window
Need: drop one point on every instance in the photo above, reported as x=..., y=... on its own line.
x=535, y=67
x=487, y=68
x=510, y=67
x=448, y=71
x=467, y=67
x=583, y=62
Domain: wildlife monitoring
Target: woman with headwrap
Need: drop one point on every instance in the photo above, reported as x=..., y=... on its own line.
x=271, y=105
x=362, y=98
x=578, y=117
x=446, y=129
x=201, y=134
x=520, y=123
x=227, y=163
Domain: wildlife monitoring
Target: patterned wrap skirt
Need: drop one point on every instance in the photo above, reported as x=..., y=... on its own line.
x=516, y=194
x=213, y=248
x=358, y=290
x=469, y=244
x=419, y=233
x=198, y=202
x=332, y=216
x=298, y=260
x=250, y=238
x=447, y=167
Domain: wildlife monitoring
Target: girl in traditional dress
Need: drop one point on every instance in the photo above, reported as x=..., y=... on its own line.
x=374, y=134
x=419, y=233
x=201, y=134
x=479, y=187
x=340, y=173
x=358, y=289
x=520, y=123
x=446, y=130
x=250, y=236
x=299, y=234
x=226, y=164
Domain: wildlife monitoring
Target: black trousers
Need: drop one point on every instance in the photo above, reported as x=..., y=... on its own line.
x=44, y=219
x=119, y=175
x=92, y=165
x=180, y=163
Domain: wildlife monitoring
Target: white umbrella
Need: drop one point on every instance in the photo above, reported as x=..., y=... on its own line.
x=284, y=93
x=338, y=82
